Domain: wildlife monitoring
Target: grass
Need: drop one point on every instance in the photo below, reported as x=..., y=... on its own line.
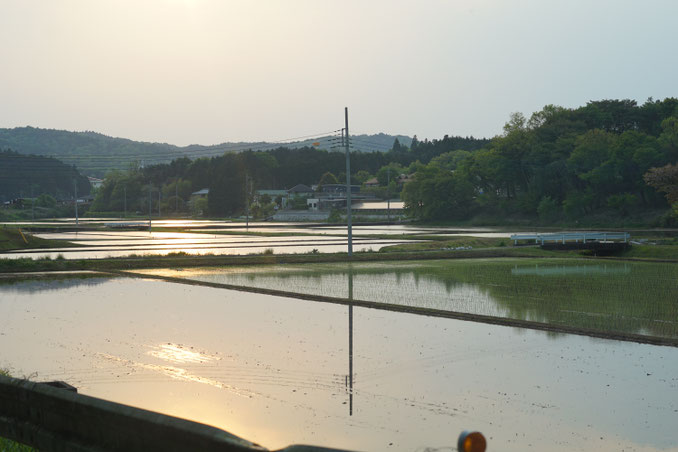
x=447, y=248
x=7, y=445
x=16, y=239
x=438, y=243
x=180, y=259
x=665, y=252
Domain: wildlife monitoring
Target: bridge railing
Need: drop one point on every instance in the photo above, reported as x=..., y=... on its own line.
x=564, y=237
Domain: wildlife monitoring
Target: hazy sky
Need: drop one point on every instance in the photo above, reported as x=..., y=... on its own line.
x=201, y=71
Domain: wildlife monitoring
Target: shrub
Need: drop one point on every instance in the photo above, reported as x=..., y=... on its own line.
x=548, y=209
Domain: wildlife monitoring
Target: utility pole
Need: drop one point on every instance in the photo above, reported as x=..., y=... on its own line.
x=150, y=202
x=124, y=190
x=348, y=188
x=247, y=205
x=159, y=195
x=75, y=185
x=176, y=196
x=32, y=205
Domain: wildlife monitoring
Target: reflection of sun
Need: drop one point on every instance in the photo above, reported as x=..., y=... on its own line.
x=178, y=354
x=177, y=373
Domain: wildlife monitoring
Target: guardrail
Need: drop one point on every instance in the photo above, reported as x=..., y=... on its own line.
x=52, y=419
x=563, y=237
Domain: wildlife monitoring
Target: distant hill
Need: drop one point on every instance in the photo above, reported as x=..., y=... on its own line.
x=95, y=154
x=24, y=176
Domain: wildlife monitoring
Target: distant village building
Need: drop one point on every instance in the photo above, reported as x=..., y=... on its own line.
x=275, y=195
x=95, y=182
x=339, y=189
x=201, y=193
x=374, y=182
x=198, y=207
x=313, y=203
x=404, y=178
x=300, y=190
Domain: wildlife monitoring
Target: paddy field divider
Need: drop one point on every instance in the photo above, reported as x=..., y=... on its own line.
x=431, y=312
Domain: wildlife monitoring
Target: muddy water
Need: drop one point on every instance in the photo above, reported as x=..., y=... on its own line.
x=275, y=370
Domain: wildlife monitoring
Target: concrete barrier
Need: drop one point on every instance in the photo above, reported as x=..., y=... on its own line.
x=53, y=419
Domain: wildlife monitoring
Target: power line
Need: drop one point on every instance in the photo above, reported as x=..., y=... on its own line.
x=87, y=160
x=201, y=151
x=330, y=140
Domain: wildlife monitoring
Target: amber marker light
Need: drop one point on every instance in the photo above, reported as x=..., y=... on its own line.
x=471, y=442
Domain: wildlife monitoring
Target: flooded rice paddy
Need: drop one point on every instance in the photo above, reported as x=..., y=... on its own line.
x=103, y=244
x=221, y=237
x=280, y=370
x=622, y=297
x=275, y=370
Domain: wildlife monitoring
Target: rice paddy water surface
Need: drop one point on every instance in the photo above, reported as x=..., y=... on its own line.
x=625, y=297
x=275, y=370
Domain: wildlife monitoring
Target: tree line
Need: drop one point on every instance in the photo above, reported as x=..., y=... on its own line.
x=232, y=178
x=28, y=176
x=558, y=164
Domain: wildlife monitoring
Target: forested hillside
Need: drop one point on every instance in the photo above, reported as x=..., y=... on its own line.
x=558, y=164
x=32, y=175
x=279, y=168
x=95, y=154
x=92, y=153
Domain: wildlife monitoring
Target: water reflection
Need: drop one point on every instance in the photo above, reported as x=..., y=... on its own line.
x=229, y=245
x=210, y=237
x=634, y=298
x=564, y=270
x=273, y=370
x=177, y=353
x=50, y=282
x=350, y=341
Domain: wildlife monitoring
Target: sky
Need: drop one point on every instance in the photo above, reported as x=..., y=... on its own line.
x=211, y=71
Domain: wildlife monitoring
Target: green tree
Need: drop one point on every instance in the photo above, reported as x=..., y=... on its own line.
x=362, y=176
x=397, y=147
x=438, y=194
x=450, y=160
x=390, y=171
x=327, y=179
x=45, y=200
x=199, y=207
x=664, y=179
x=548, y=209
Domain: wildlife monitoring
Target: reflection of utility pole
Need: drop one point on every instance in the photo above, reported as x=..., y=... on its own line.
x=350, y=341
x=348, y=188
